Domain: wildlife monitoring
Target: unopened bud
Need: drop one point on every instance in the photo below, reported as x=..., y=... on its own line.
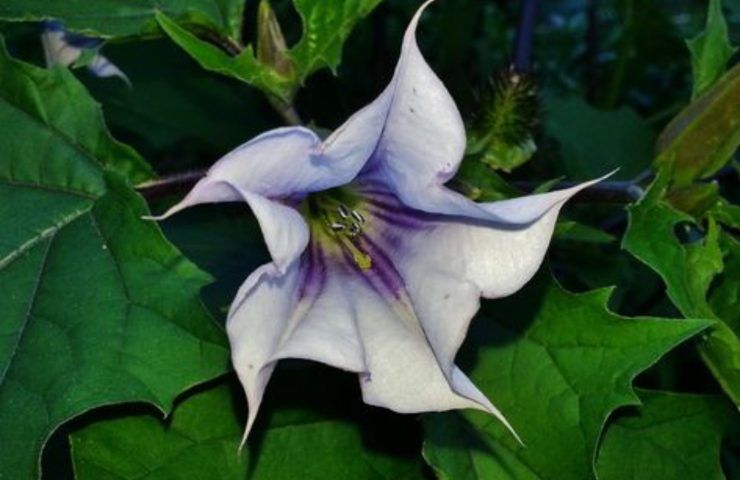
x=271, y=48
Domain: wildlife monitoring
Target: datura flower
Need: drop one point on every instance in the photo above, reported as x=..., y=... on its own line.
x=65, y=48
x=377, y=267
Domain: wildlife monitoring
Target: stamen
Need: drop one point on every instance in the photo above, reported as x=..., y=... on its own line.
x=354, y=230
x=343, y=225
x=337, y=227
x=358, y=216
x=343, y=211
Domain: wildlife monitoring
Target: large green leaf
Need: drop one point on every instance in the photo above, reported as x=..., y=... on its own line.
x=710, y=50
x=244, y=66
x=688, y=271
x=594, y=142
x=670, y=436
x=704, y=136
x=114, y=18
x=319, y=438
x=556, y=364
x=97, y=308
x=326, y=26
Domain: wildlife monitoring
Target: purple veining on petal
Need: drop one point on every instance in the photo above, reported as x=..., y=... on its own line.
x=313, y=271
x=387, y=208
x=383, y=273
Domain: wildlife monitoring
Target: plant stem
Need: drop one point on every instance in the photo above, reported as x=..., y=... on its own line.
x=522, y=61
x=286, y=111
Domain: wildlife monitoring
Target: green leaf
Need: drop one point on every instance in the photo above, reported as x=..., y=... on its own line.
x=726, y=213
x=202, y=438
x=243, y=66
x=725, y=297
x=669, y=436
x=705, y=135
x=175, y=103
x=326, y=26
x=579, y=232
x=20, y=87
x=556, y=364
x=710, y=50
x=97, y=307
x=123, y=18
x=687, y=270
x=594, y=142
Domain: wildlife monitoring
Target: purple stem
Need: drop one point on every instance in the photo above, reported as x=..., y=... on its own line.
x=522, y=61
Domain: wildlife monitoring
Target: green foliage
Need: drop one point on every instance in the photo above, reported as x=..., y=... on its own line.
x=80, y=121
x=687, y=269
x=97, y=307
x=202, y=440
x=710, y=50
x=669, y=436
x=242, y=66
x=326, y=26
x=123, y=18
x=704, y=136
x=172, y=103
x=556, y=364
x=594, y=142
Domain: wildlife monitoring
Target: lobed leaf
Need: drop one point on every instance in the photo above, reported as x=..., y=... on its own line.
x=670, y=436
x=202, y=439
x=98, y=307
x=326, y=26
x=687, y=270
x=556, y=364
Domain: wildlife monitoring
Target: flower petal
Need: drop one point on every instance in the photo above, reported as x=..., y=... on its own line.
x=422, y=142
x=324, y=309
x=274, y=165
x=101, y=67
x=62, y=48
x=498, y=256
x=423, y=137
x=302, y=314
x=56, y=50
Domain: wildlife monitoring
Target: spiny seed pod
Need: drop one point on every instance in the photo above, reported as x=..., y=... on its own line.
x=502, y=131
x=512, y=107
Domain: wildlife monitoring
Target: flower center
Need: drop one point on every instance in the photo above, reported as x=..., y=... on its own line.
x=335, y=214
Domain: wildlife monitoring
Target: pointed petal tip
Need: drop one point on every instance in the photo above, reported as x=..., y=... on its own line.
x=250, y=423
x=411, y=29
x=488, y=407
x=158, y=218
